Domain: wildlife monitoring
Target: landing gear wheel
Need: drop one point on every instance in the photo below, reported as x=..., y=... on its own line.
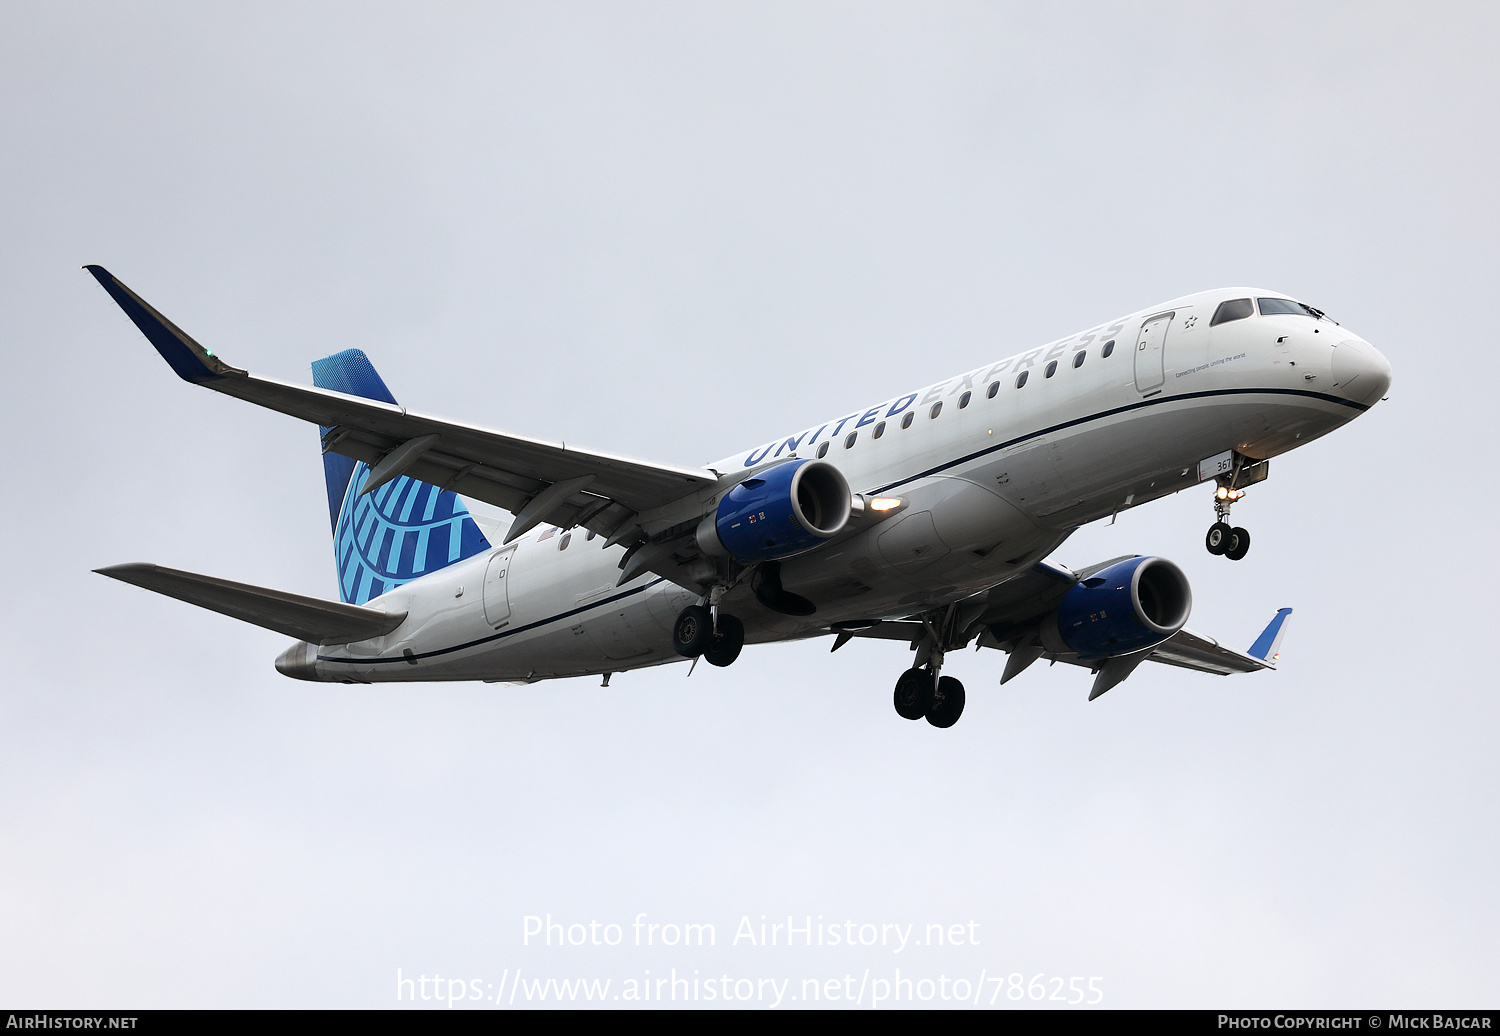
x=727, y=641
x=693, y=631
x=914, y=694
x=947, y=703
x=1217, y=540
x=1239, y=544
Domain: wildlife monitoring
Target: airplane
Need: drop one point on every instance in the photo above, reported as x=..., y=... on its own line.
x=926, y=518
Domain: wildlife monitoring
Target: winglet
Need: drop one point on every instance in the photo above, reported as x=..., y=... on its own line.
x=1267, y=646
x=190, y=360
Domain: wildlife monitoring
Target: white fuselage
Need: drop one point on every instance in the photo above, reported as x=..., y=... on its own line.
x=994, y=477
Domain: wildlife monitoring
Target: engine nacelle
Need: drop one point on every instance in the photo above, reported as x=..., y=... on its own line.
x=781, y=511
x=1130, y=606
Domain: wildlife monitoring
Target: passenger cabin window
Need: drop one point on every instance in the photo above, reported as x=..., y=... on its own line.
x=994, y=387
x=937, y=408
x=1234, y=309
x=963, y=400
x=1078, y=359
x=1021, y=379
x=822, y=451
x=1051, y=368
x=567, y=538
x=879, y=431
x=1296, y=309
x=849, y=439
x=1109, y=347
x=906, y=421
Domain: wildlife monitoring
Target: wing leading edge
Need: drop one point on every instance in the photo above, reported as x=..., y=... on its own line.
x=539, y=480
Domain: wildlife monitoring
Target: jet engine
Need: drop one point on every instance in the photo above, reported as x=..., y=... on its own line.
x=782, y=511
x=1130, y=606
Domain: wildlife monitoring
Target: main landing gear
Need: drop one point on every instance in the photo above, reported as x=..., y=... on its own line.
x=922, y=692
x=696, y=633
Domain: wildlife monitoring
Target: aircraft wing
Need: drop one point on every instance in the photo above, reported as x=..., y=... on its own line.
x=306, y=618
x=1205, y=654
x=1006, y=617
x=538, y=480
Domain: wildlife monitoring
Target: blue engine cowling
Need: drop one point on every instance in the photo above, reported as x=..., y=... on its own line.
x=1130, y=606
x=781, y=511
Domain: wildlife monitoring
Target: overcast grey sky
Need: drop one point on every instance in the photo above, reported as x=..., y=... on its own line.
x=673, y=231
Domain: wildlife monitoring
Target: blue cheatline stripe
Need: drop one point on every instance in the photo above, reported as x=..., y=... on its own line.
x=501, y=635
x=1156, y=401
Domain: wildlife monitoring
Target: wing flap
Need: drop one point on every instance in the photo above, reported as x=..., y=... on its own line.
x=306, y=618
x=1191, y=650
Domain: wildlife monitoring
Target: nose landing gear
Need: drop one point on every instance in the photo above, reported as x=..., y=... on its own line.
x=1232, y=541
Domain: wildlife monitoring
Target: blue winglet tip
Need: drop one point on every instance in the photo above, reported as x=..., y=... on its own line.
x=1267, y=639
x=190, y=360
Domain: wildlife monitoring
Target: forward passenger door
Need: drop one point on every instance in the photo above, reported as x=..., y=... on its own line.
x=1149, y=355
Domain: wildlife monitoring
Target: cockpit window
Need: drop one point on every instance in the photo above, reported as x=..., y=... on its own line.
x=1234, y=309
x=1296, y=309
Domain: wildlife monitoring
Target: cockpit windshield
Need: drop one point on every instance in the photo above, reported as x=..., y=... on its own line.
x=1234, y=309
x=1296, y=309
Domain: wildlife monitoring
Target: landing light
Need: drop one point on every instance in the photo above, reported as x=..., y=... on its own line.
x=884, y=503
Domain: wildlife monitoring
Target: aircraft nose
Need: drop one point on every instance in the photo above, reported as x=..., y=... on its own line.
x=1360, y=372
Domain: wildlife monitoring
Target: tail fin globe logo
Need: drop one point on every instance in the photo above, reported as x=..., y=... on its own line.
x=404, y=529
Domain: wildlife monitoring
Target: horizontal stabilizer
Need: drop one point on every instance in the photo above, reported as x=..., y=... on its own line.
x=306, y=618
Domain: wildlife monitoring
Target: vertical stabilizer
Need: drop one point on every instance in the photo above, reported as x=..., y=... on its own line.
x=400, y=531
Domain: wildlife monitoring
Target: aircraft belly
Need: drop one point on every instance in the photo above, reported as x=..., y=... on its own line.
x=617, y=634
x=1077, y=475
x=956, y=538
x=910, y=543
